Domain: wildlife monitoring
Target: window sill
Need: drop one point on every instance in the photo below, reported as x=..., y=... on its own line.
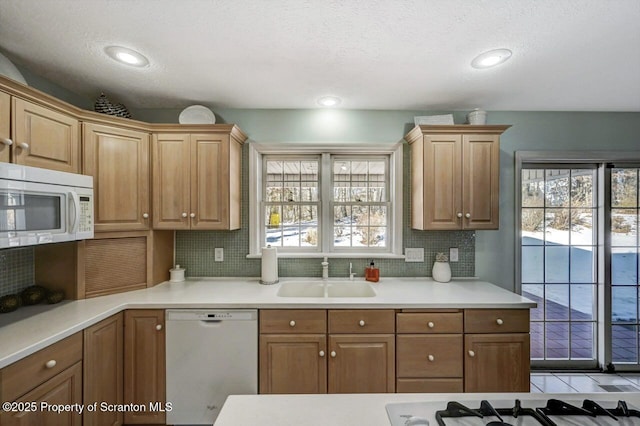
x=332, y=256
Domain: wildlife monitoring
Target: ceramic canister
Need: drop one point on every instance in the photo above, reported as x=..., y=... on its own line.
x=176, y=274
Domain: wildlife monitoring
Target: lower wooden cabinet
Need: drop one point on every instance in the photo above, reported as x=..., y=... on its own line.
x=293, y=363
x=103, y=370
x=362, y=363
x=497, y=362
x=52, y=375
x=144, y=365
x=497, y=350
x=64, y=388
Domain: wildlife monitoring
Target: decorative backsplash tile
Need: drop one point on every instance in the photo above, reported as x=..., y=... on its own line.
x=16, y=270
x=195, y=249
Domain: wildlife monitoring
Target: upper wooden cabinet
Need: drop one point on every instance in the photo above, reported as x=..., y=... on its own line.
x=43, y=137
x=118, y=160
x=5, y=127
x=455, y=172
x=196, y=177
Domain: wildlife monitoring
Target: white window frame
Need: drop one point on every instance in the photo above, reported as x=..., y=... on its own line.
x=325, y=150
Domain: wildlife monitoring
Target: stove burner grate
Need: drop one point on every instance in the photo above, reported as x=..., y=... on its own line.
x=456, y=410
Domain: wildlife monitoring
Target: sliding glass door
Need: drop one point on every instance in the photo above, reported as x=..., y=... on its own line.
x=558, y=246
x=624, y=247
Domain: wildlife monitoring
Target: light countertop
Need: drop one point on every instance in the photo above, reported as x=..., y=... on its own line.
x=32, y=328
x=369, y=409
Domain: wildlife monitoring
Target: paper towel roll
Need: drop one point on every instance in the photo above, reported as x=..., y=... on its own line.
x=269, y=265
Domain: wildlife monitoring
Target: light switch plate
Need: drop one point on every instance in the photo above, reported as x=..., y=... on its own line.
x=218, y=254
x=414, y=254
x=453, y=254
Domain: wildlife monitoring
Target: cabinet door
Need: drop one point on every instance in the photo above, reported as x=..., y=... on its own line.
x=496, y=362
x=481, y=186
x=103, y=370
x=293, y=363
x=118, y=160
x=362, y=363
x=442, y=181
x=144, y=365
x=5, y=127
x=171, y=181
x=45, y=138
x=64, y=388
x=209, y=181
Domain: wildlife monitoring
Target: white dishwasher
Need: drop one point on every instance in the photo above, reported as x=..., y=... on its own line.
x=211, y=354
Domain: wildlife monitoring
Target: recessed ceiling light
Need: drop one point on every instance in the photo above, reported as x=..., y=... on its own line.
x=329, y=101
x=127, y=56
x=491, y=58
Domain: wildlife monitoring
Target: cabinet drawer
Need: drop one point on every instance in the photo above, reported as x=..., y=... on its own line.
x=438, y=355
x=293, y=321
x=362, y=321
x=430, y=385
x=24, y=375
x=426, y=322
x=496, y=321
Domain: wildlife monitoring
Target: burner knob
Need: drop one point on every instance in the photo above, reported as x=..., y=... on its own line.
x=431, y=358
x=499, y=321
x=472, y=354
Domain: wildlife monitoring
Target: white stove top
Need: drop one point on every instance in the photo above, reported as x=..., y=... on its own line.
x=423, y=413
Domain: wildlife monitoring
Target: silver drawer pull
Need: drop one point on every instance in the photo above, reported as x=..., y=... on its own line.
x=292, y=323
x=321, y=353
x=499, y=321
x=23, y=145
x=6, y=141
x=159, y=327
x=472, y=354
x=333, y=354
x=431, y=358
x=430, y=324
x=361, y=323
x=145, y=215
x=51, y=363
x=184, y=215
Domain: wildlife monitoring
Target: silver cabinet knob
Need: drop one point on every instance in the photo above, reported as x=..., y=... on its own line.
x=159, y=327
x=51, y=363
x=145, y=215
x=192, y=215
x=184, y=215
x=499, y=321
x=430, y=324
x=431, y=358
x=468, y=215
x=6, y=141
x=292, y=323
x=459, y=215
x=361, y=323
x=472, y=354
x=23, y=145
x=321, y=353
x=333, y=354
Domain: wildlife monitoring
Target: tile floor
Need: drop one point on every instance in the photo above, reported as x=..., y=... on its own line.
x=584, y=382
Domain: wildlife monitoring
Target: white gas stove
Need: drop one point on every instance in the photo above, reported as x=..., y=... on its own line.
x=515, y=412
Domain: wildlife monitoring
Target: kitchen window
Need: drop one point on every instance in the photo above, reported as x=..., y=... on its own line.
x=339, y=201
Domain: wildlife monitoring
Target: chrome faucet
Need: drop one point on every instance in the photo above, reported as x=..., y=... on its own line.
x=351, y=273
x=325, y=269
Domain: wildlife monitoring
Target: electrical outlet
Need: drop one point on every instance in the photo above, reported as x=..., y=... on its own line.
x=414, y=254
x=219, y=254
x=453, y=254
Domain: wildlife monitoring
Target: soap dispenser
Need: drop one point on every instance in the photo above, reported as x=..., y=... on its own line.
x=372, y=273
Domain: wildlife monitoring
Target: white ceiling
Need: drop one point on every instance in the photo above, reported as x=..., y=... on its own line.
x=568, y=55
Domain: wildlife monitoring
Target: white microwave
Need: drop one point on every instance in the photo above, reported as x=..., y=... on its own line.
x=39, y=206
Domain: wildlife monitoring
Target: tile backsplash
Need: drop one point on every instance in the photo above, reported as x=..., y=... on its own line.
x=195, y=249
x=16, y=270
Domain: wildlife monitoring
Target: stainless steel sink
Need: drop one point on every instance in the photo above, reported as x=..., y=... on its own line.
x=330, y=288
